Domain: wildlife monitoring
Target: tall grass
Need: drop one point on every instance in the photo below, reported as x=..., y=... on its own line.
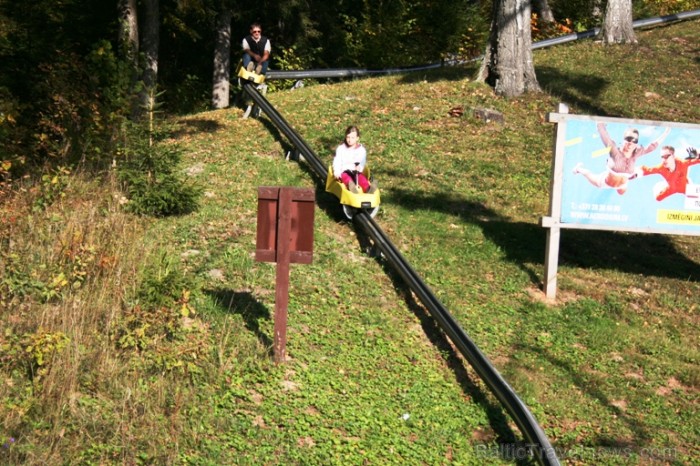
x=68, y=267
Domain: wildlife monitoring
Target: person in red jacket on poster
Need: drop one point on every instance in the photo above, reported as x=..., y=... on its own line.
x=673, y=169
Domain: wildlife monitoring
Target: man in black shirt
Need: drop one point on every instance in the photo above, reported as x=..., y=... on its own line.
x=256, y=50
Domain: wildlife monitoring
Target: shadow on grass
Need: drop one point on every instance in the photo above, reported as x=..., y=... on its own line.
x=497, y=419
x=524, y=243
x=195, y=125
x=582, y=90
x=642, y=436
x=494, y=411
x=329, y=204
x=245, y=305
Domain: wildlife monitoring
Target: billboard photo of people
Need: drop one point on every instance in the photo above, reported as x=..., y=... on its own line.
x=624, y=175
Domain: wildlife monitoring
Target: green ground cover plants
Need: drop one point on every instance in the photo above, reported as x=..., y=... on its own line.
x=134, y=340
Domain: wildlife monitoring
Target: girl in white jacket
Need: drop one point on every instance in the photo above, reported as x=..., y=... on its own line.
x=351, y=157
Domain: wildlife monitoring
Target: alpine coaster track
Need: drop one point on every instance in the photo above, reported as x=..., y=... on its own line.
x=537, y=441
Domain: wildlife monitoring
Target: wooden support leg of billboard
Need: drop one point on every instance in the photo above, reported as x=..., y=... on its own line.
x=284, y=236
x=551, y=262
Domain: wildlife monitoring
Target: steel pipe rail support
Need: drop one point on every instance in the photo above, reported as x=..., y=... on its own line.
x=542, y=449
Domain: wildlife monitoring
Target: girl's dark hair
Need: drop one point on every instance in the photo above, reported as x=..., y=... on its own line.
x=352, y=129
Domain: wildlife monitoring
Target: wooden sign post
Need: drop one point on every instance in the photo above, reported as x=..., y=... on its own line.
x=285, y=236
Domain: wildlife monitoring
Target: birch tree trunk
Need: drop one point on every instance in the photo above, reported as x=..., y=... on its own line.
x=617, y=24
x=129, y=47
x=542, y=7
x=129, y=30
x=149, y=48
x=508, y=65
x=222, y=60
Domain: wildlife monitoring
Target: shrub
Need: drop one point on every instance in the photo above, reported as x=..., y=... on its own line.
x=192, y=94
x=148, y=173
x=288, y=59
x=542, y=30
x=162, y=284
x=32, y=352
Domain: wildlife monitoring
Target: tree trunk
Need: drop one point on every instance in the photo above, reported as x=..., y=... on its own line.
x=507, y=64
x=149, y=49
x=617, y=24
x=222, y=60
x=129, y=48
x=542, y=8
x=129, y=30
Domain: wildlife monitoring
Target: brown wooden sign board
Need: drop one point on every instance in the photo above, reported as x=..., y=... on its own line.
x=285, y=235
x=301, y=210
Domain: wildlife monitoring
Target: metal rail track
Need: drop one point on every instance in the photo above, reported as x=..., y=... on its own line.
x=537, y=441
x=358, y=72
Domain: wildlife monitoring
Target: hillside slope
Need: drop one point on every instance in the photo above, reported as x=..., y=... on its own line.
x=99, y=374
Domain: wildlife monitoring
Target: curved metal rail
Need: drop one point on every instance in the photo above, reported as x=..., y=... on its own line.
x=346, y=72
x=594, y=32
x=538, y=442
x=357, y=72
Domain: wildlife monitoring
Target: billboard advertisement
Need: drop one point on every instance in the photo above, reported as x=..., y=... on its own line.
x=629, y=175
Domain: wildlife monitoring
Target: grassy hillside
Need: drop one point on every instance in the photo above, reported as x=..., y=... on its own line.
x=138, y=341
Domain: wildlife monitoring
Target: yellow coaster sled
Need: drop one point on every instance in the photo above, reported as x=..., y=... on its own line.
x=353, y=202
x=251, y=76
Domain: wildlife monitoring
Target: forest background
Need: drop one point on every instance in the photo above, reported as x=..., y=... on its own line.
x=66, y=88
